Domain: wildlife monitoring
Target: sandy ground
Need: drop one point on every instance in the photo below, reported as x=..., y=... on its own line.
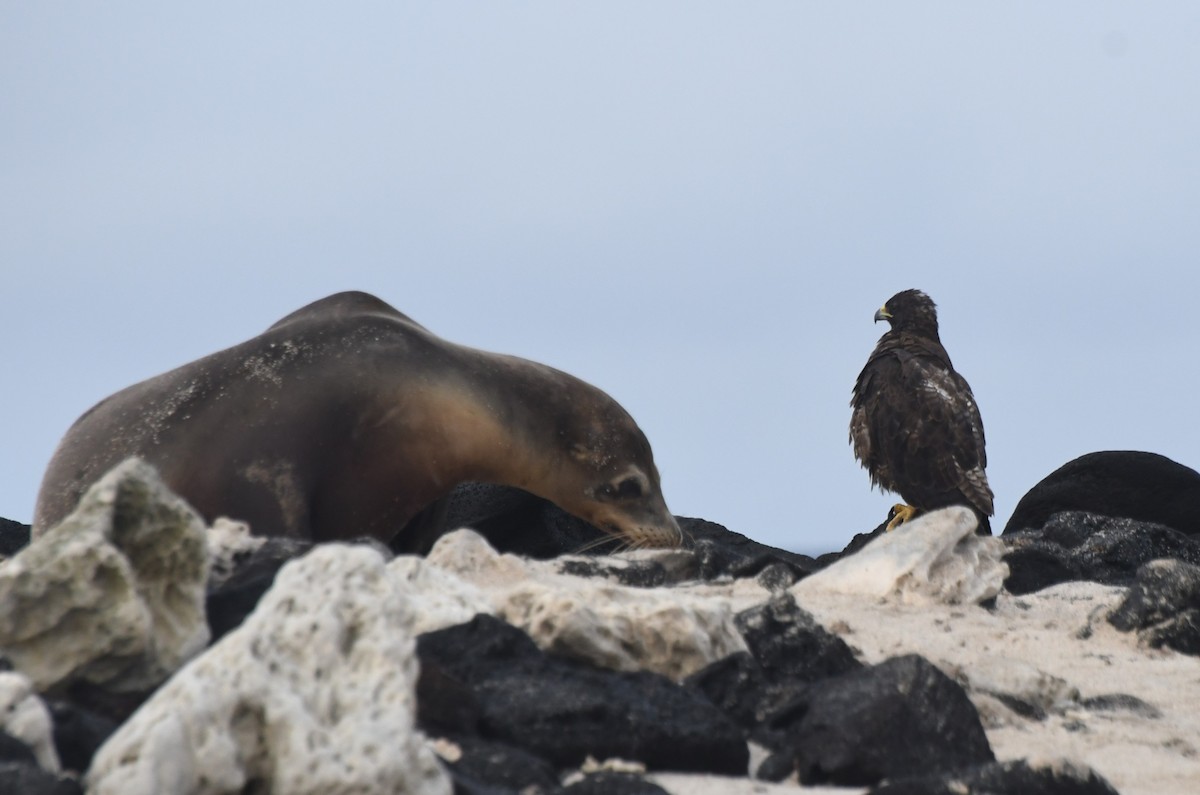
x=1051, y=645
x=1052, y=649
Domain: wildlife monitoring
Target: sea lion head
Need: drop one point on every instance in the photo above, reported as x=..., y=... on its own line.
x=610, y=479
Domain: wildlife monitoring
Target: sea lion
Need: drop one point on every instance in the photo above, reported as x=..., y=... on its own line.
x=347, y=418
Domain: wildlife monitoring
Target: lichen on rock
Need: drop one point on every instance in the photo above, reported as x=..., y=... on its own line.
x=114, y=594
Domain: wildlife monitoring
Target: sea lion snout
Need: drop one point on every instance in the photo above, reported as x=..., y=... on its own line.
x=661, y=531
x=630, y=506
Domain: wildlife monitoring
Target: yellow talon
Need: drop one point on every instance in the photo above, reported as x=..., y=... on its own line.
x=899, y=514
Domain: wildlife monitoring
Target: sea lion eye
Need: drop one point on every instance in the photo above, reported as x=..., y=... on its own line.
x=629, y=488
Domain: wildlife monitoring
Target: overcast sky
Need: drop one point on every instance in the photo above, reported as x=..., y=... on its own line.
x=696, y=207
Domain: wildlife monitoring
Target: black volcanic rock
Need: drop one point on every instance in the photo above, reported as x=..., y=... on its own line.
x=734, y=555
x=488, y=766
x=14, y=750
x=14, y=536
x=445, y=704
x=26, y=779
x=229, y=601
x=902, y=717
x=788, y=651
x=856, y=543
x=513, y=520
x=78, y=733
x=789, y=643
x=562, y=710
x=1080, y=546
x=1118, y=483
x=1003, y=778
x=739, y=687
x=1163, y=605
x=611, y=783
x=521, y=523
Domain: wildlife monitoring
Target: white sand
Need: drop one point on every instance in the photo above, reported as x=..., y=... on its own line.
x=1053, y=649
x=1048, y=646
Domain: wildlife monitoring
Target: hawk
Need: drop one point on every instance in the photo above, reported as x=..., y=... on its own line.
x=915, y=426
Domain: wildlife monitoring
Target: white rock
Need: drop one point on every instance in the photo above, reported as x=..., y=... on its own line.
x=24, y=716
x=314, y=693
x=439, y=598
x=227, y=540
x=114, y=595
x=670, y=631
x=936, y=558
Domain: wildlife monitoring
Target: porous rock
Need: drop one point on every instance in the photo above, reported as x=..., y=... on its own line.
x=1119, y=483
x=901, y=717
x=1019, y=777
x=24, y=716
x=1074, y=545
x=615, y=626
x=312, y=694
x=230, y=544
x=936, y=558
x=564, y=710
x=1163, y=605
x=444, y=598
x=113, y=595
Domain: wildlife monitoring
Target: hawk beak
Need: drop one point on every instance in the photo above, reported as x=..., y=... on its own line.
x=883, y=314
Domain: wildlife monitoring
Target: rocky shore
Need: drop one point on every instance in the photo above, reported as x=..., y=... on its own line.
x=149, y=653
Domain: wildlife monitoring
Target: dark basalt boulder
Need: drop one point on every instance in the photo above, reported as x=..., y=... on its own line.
x=29, y=779
x=229, y=601
x=734, y=555
x=1003, y=778
x=14, y=750
x=611, y=783
x=788, y=651
x=78, y=733
x=1081, y=546
x=1130, y=484
x=1163, y=606
x=513, y=520
x=488, y=766
x=563, y=710
x=14, y=536
x=521, y=523
x=903, y=717
x=788, y=642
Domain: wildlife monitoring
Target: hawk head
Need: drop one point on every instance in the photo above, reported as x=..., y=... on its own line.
x=912, y=311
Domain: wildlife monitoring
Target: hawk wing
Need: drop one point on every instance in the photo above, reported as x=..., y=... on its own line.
x=917, y=429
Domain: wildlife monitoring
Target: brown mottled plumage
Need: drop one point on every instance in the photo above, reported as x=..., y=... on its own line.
x=915, y=425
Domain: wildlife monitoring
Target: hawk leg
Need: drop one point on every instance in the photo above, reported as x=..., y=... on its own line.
x=900, y=514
